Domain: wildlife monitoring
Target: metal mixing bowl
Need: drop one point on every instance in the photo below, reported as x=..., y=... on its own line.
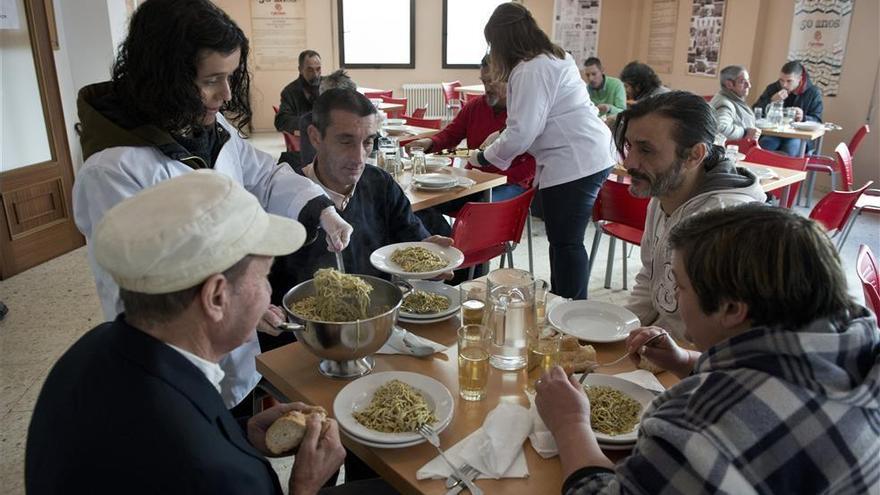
x=346, y=347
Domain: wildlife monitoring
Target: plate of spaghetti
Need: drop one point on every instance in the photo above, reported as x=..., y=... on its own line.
x=616, y=407
x=416, y=260
x=386, y=408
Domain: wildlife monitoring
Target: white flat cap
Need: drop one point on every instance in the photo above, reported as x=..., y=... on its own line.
x=176, y=234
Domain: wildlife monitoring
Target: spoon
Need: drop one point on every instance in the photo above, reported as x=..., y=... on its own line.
x=415, y=349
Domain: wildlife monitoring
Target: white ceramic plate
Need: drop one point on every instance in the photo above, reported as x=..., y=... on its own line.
x=402, y=445
x=763, y=172
x=764, y=124
x=358, y=394
x=641, y=395
x=593, y=321
x=435, y=180
x=396, y=129
x=381, y=259
x=437, y=161
x=394, y=122
x=434, y=287
x=807, y=126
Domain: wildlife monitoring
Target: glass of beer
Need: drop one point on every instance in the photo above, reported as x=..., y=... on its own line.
x=473, y=301
x=473, y=361
x=543, y=354
x=542, y=288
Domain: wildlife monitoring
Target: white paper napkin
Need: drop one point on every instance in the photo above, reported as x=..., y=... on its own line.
x=495, y=449
x=541, y=438
x=395, y=343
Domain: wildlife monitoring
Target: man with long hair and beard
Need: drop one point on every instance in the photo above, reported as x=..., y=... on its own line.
x=668, y=150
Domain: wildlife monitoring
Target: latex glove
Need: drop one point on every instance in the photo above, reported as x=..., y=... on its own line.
x=338, y=230
x=472, y=159
x=490, y=139
x=273, y=317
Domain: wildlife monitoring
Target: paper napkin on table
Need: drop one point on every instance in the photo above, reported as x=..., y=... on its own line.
x=541, y=438
x=395, y=343
x=495, y=449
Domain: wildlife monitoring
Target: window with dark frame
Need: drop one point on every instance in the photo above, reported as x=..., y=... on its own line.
x=379, y=34
x=463, y=42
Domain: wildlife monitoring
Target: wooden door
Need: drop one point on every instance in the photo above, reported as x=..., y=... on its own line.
x=36, y=215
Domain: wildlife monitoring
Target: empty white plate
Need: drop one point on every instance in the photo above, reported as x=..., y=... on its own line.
x=435, y=180
x=807, y=126
x=593, y=321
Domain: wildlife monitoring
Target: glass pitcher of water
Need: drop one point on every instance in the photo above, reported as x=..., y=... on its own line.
x=510, y=315
x=775, y=114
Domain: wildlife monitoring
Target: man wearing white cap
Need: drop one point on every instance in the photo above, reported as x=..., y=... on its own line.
x=134, y=405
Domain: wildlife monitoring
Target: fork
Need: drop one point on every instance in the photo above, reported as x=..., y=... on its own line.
x=621, y=358
x=431, y=436
x=454, y=485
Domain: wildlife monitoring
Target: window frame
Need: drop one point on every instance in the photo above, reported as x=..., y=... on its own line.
x=444, y=37
x=341, y=38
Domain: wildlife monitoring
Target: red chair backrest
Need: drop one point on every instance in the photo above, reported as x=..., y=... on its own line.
x=419, y=113
x=482, y=230
x=708, y=98
x=866, y=266
x=291, y=141
x=764, y=157
x=744, y=145
x=615, y=204
x=844, y=165
x=449, y=92
x=395, y=101
x=856, y=140
x=378, y=94
x=834, y=209
x=427, y=123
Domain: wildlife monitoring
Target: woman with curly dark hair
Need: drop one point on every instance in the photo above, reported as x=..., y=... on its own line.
x=640, y=81
x=179, y=83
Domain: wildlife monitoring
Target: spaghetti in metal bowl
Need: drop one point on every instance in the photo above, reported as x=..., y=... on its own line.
x=422, y=302
x=396, y=407
x=418, y=259
x=338, y=298
x=611, y=411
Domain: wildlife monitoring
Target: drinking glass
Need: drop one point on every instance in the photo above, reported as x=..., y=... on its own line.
x=542, y=288
x=473, y=301
x=731, y=151
x=453, y=107
x=789, y=115
x=510, y=315
x=417, y=154
x=758, y=113
x=543, y=354
x=473, y=361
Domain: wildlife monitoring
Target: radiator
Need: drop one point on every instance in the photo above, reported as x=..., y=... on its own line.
x=419, y=95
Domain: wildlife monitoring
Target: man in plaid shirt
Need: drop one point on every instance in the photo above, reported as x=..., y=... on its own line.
x=784, y=398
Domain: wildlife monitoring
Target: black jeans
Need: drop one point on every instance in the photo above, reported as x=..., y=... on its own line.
x=567, y=211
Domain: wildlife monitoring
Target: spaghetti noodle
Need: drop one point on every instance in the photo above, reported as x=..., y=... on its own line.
x=396, y=407
x=421, y=302
x=612, y=412
x=338, y=297
x=418, y=259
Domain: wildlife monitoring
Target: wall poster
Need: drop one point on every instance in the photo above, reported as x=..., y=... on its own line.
x=707, y=24
x=576, y=27
x=661, y=37
x=278, y=33
x=819, y=31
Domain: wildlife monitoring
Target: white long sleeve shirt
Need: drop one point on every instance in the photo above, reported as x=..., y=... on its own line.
x=550, y=115
x=113, y=174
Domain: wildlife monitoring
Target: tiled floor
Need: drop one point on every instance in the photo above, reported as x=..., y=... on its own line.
x=55, y=303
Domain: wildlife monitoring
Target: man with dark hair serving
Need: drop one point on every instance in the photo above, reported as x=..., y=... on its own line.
x=298, y=97
x=782, y=394
x=177, y=89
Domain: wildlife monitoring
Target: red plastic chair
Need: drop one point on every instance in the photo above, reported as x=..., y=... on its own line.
x=419, y=113
x=449, y=92
x=744, y=145
x=835, y=212
x=379, y=94
x=427, y=123
x=620, y=215
x=827, y=164
x=396, y=101
x=708, y=98
x=866, y=266
x=483, y=231
x=764, y=157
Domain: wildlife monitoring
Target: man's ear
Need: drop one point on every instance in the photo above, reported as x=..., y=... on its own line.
x=734, y=315
x=314, y=135
x=696, y=155
x=214, y=297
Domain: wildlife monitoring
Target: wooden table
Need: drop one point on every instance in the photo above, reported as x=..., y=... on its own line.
x=390, y=107
x=474, y=89
x=485, y=181
x=792, y=133
x=294, y=371
x=410, y=132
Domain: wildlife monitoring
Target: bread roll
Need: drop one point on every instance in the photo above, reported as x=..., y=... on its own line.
x=287, y=432
x=575, y=358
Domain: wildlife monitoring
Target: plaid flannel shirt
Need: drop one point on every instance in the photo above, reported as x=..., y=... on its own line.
x=767, y=411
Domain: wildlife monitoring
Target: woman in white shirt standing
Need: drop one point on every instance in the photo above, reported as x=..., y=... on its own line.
x=550, y=115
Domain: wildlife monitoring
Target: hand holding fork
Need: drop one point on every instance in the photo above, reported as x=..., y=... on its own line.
x=431, y=436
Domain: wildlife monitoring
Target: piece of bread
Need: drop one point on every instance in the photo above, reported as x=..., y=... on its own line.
x=575, y=358
x=287, y=432
x=647, y=364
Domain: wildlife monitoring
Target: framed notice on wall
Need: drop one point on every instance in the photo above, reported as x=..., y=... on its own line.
x=707, y=24
x=278, y=33
x=819, y=31
x=576, y=27
x=661, y=36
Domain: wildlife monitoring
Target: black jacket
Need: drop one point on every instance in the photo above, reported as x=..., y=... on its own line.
x=296, y=99
x=810, y=101
x=121, y=412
